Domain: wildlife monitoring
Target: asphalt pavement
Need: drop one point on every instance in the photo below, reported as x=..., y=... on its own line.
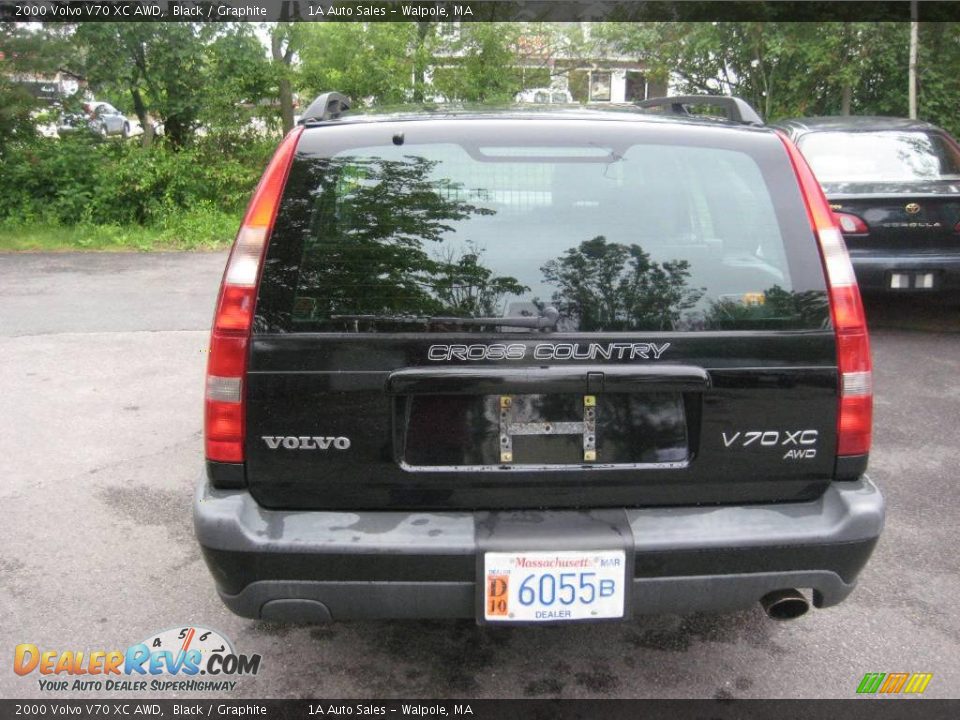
x=101, y=375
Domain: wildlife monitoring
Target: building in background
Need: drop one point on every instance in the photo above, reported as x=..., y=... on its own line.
x=49, y=88
x=548, y=61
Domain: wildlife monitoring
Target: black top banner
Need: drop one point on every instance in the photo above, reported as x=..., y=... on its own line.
x=73, y=11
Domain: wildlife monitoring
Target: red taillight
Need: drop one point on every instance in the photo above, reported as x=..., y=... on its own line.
x=851, y=224
x=855, y=411
x=224, y=410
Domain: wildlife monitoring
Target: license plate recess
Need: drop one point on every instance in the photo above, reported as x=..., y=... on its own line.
x=537, y=430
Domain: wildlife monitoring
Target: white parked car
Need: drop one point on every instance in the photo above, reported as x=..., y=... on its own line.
x=105, y=119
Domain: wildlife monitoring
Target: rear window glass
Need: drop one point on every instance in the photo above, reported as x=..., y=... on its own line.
x=880, y=156
x=443, y=237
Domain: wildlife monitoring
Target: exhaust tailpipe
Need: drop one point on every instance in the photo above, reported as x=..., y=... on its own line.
x=785, y=604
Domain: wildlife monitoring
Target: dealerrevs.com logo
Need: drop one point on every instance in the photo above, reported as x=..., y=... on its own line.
x=180, y=659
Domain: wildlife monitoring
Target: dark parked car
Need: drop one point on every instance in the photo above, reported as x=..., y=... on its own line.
x=535, y=365
x=895, y=187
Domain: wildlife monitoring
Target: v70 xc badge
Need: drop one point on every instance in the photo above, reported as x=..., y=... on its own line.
x=306, y=442
x=800, y=441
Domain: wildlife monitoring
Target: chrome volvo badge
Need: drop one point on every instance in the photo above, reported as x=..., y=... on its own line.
x=306, y=442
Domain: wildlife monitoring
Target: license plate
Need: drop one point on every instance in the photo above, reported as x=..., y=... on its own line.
x=554, y=586
x=913, y=280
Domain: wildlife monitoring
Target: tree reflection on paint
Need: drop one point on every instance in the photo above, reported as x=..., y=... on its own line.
x=372, y=225
x=610, y=286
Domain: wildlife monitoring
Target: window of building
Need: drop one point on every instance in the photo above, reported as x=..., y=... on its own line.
x=636, y=86
x=600, y=86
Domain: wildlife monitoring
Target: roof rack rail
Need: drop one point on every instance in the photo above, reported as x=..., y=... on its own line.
x=328, y=106
x=736, y=109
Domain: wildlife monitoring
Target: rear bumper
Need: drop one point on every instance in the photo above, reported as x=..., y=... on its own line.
x=321, y=566
x=873, y=269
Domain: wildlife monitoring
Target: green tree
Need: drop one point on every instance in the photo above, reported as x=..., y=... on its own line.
x=368, y=62
x=15, y=106
x=161, y=66
x=239, y=80
x=286, y=38
x=421, y=55
x=481, y=64
x=184, y=74
x=27, y=51
x=939, y=74
x=781, y=68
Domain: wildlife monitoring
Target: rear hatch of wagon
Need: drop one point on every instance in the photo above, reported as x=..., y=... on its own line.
x=525, y=313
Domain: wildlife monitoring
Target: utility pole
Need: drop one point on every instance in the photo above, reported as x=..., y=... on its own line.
x=914, y=42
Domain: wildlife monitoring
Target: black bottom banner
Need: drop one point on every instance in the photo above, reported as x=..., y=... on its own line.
x=853, y=709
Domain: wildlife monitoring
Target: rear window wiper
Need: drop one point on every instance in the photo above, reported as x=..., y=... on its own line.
x=546, y=321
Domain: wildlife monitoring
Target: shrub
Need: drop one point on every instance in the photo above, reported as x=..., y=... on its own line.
x=81, y=179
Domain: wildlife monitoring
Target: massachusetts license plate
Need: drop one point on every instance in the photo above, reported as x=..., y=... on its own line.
x=554, y=586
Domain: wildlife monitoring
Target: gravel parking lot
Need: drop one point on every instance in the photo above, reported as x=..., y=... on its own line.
x=101, y=370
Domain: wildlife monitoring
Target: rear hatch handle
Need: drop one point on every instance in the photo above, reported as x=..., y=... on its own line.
x=586, y=379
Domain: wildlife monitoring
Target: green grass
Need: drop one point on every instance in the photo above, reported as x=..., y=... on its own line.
x=203, y=229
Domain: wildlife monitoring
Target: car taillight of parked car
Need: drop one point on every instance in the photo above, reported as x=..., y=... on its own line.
x=851, y=224
x=224, y=407
x=855, y=411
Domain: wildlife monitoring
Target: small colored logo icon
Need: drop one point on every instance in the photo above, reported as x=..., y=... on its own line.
x=894, y=683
